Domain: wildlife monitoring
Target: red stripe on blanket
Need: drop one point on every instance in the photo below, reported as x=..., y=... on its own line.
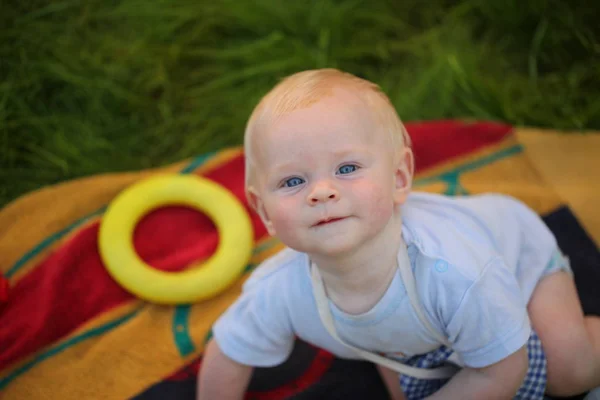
x=439, y=141
x=318, y=367
x=71, y=286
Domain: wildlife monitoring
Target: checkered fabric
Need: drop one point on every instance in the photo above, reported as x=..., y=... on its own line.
x=533, y=386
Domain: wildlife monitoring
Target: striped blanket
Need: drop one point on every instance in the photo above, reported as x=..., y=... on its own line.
x=69, y=331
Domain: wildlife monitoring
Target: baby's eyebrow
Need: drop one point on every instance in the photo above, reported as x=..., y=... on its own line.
x=349, y=153
x=284, y=166
x=279, y=171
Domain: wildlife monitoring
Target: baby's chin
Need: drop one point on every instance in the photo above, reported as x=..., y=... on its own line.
x=334, y=249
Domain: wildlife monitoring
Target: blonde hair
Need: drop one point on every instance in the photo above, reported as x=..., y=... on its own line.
x=305, y=88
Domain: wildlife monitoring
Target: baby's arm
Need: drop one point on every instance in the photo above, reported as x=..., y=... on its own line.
x=391, y=379
x=220, y=377
x=498, y=381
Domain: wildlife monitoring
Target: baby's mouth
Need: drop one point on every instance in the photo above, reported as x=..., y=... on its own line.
x=327, y=221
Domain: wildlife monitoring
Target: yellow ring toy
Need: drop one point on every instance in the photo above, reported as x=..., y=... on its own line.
x=193, y=284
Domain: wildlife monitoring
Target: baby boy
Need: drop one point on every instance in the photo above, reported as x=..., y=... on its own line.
x=411, y=281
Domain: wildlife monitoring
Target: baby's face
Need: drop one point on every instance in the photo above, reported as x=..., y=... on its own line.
x=326, y=176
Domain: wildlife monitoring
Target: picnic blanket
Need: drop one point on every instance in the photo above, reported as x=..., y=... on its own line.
x=69, y=331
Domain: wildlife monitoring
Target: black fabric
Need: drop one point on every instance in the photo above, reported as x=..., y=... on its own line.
x=583, y=254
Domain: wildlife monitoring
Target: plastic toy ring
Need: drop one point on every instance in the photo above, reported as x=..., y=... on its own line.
x=195, y=283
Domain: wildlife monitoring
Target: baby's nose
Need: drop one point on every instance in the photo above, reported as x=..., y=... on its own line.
x=322, y=193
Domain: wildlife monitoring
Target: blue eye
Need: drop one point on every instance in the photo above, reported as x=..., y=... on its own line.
x=293, y=182
x=347, y=169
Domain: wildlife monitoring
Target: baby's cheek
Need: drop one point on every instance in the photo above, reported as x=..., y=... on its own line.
x=286, y=227
x=380, y=204
x=283, y=217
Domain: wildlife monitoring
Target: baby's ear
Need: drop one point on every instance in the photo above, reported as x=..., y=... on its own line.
x=257, y=204
x=403, y=174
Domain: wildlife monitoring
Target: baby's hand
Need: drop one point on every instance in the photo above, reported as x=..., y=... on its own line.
x=391, y=379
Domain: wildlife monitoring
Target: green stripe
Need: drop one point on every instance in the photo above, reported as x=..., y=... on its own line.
x=194, y=164
x=448, y=175
x=267, y=245
x=209, y=336
x=454, y=186
x=49, y=240
x=181, y=332
x=180, y=328
x=197, y=162
x=65, y=345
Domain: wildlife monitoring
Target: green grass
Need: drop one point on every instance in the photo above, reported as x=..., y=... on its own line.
x=96, y=86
